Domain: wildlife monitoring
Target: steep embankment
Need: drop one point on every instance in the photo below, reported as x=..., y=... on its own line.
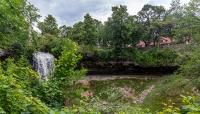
x=185, y=81
x=125, y=68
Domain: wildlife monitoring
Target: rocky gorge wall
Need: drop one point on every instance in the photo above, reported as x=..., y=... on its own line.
x=124, y=67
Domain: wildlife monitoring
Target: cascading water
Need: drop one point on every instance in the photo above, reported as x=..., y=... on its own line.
x=43, y=63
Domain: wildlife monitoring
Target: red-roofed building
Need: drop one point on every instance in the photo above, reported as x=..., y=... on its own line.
x=141, y=44
x=165, y=41
x=162, y=41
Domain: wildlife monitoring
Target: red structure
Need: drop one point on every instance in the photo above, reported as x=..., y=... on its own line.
x=162, y=41
x=141, y=44
x=165, y=41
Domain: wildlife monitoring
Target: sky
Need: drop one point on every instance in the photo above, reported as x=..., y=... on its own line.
x=68, y=12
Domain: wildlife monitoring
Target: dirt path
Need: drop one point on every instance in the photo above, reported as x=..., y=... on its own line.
x=144, y=94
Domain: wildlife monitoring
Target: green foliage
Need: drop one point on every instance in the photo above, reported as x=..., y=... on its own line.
x=87, y=110
x=156, y=57
x=17, y=85
x=90, y=33
x=190, y=105
x=60, y=89
x=49, y=43
x=74, y=110
x=187, y=25
x=64, y=31
x=86, y=32
x=134, y=110
x=76, y=33
x=23, y=74
x=49, y=26
x=118, y=24
x=65, y=72
x=168, y=90
x=17, y=50
x=110, y=98
x=149, y=57
x=105, y=54
x=149, y=17
x=191, y=66
x=67, y=63
x=13, y=24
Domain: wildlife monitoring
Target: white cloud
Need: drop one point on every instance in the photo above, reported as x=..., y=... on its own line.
x=165, y=3
x=71, y=11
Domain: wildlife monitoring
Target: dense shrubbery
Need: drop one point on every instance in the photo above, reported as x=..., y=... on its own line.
x=52, y=44
x=166, y=91
x=60, y=89
x=105, y=55
x=45, y=43
x=190, y=68
x=192, y=65
x=190, y=105
x=18, y=83
x=86, y=110
x=156, y=57
x=21, y=88
x=149, y=57
x=185, y=82
x=14, y=27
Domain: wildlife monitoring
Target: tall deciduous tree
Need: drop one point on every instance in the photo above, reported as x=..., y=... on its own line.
x=77, y=33
x=188, y=26
x=149, y=17
x=135, y=30
x=173, y=17
x=49, y=26
x=90, y=32
x=176, y=10
x=86, y=32
x=64, y=31
x=13, y=23
x=31, y=15
x=117, y=25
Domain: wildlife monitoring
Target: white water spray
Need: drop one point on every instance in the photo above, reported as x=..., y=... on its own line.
x=43, y=63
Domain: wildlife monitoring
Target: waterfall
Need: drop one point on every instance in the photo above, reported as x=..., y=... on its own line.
x=43, y=63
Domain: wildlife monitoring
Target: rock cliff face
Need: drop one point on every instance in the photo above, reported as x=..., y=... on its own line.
x=129, y=68
x=4, y=54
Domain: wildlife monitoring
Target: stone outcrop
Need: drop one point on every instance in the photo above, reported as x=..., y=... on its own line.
x=125, y=68
x=4, y=54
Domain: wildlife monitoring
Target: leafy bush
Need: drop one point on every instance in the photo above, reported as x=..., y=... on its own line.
x=14, y=27
x=105, y=54
x=190, y=105
x=88, y=110
x=156, y=57
x=168, y=89
x=191, y=67
x=60, y=89
x=51, y=44
x=21, y=72
x=151, y=57
x=17, y=83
